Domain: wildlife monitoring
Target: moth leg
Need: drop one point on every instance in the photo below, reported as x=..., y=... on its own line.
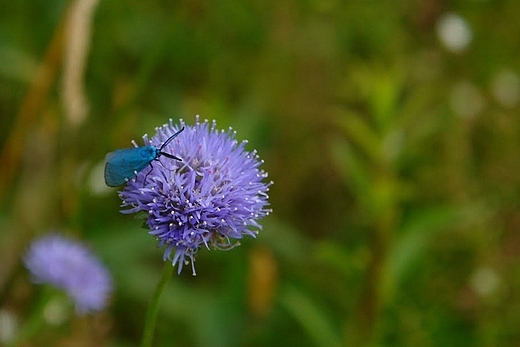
x=146, y=176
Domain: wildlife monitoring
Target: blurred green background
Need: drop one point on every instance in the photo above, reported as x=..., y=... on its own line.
x=391, y=131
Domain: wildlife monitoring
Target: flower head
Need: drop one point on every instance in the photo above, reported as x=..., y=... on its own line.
x=213, y=196
x=71, y=267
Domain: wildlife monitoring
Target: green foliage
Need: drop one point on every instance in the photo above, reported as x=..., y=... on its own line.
x=395, y=163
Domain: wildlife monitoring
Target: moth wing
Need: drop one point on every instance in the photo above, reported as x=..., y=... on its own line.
x=122, y=164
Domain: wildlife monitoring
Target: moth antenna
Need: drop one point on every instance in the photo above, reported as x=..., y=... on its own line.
x=170, y=139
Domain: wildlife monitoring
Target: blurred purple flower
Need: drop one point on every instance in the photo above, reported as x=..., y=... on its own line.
x=71, y=267
x=213, y=196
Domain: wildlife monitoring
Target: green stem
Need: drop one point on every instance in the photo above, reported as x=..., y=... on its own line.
x=36, y=321
x=153, y=309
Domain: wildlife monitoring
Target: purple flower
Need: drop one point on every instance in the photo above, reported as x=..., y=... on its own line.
x=71, y=267
x=214, y=196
